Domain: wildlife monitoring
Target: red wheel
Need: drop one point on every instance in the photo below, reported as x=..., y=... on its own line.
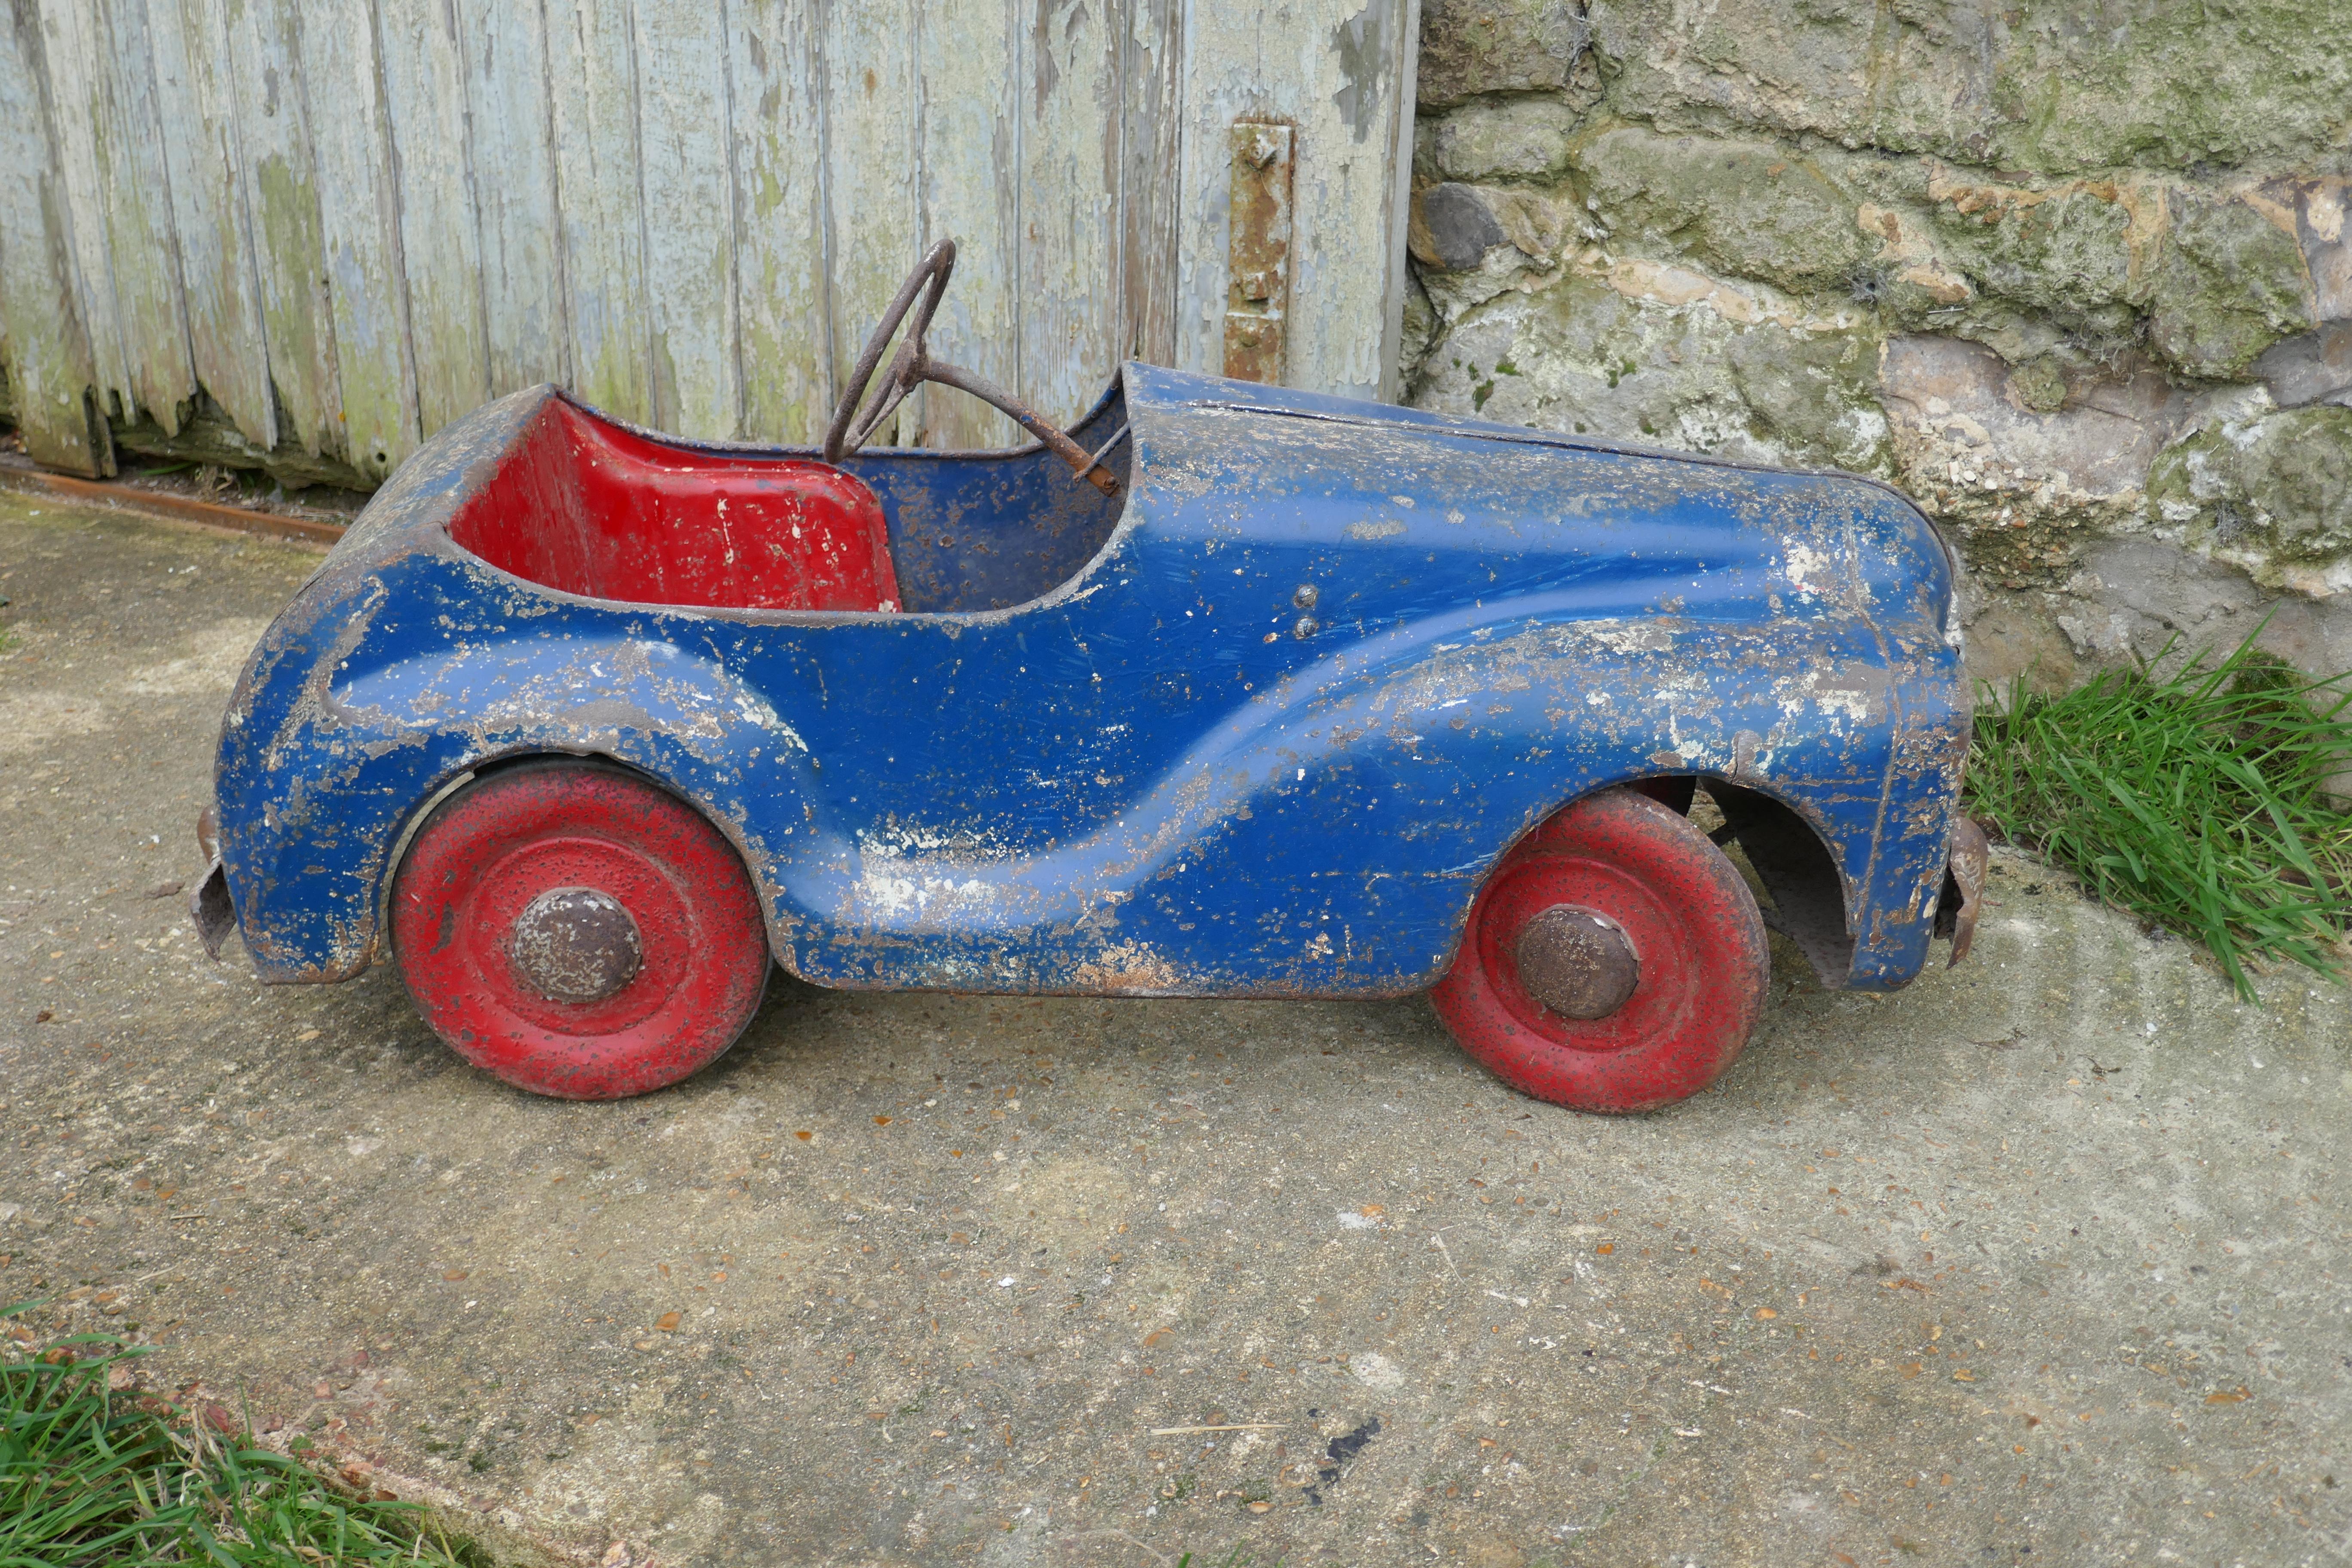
x=1614, y=960
x=578, y=932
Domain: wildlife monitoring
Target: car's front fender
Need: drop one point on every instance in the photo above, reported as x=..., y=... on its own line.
x=1329, y=836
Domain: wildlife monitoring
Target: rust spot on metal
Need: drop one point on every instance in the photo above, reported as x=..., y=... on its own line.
x=576, y=944
x=1577, y=963
x=1964, y=880
x=1257, y=289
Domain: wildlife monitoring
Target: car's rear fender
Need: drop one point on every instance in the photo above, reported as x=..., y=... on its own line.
x=327, y=765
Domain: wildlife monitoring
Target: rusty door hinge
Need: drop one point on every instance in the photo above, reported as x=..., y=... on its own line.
x=1258, y=285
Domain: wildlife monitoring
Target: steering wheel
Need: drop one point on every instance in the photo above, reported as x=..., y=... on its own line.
x=914, y=365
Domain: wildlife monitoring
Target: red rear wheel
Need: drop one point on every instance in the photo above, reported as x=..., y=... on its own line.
x=578, y=932
x=1614, y=960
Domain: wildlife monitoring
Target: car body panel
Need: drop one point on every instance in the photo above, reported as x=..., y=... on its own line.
x=1267, y=738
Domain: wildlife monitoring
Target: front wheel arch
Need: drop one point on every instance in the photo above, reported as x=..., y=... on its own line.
x=1807, y=895
x=1648, y=992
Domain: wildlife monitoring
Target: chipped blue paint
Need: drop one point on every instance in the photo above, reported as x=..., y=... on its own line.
x=1262, y=731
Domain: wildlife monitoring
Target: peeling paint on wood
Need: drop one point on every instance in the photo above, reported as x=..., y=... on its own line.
x=592, y=82
x=970, y=183
x=350, y=222
x=1339, y=72
x=423, y=65
x=41, y=331
x=786, y=330
x=278, y=189
x=1069, y=230
x=683, y=113
x=873, y=215
x=359, y=221
x=195, y=103
x=116, y=191
x=514, y=193
x=1149, y=152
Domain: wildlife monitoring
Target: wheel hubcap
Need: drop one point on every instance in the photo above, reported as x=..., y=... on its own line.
x=575, y=944
x=1577, y=963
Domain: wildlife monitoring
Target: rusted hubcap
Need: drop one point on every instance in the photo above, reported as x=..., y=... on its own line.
x=575, y=944
x=1578, y=963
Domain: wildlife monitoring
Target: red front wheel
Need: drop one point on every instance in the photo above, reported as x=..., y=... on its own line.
x=1614, y=960
x=578, y=932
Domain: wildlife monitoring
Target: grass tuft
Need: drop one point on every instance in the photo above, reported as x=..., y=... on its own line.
x=94, y=1475
x=2194, y=799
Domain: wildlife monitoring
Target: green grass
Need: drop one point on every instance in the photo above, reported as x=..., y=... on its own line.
x=2192, y=799
x=92, y=1476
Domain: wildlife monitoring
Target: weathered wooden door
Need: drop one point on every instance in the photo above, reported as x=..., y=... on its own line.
x=336, y=224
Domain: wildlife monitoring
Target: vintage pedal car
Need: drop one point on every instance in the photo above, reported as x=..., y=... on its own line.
x=1228, y=691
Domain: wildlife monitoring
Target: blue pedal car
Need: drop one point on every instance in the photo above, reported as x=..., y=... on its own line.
x=1229, y=690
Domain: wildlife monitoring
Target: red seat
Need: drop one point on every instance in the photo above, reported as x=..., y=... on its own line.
x=585, y=507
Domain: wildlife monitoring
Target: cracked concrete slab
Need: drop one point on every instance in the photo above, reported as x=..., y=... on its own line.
x=2041, y=1260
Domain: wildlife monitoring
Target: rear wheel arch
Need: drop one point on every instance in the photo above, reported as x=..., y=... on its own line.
x=452, y=782
x=578, y=927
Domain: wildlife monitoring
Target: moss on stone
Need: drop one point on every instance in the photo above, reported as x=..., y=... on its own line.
x=2066, y=252
x=2052, y=86
x=1473, y=47
x=1584, y=356
x=2230, y=284
x=1740, y=209
x=2270, y=493
x=1507, y=139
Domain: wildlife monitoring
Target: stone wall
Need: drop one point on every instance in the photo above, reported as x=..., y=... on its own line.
x=2074, y=273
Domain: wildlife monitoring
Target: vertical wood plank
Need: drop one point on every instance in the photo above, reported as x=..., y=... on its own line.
x=1152, y=61
x=970, y=130
x=281, y=200
x=128, y=257
x=440, y=245
x=49, y=358
x=196, y=119
x=775, y=55
x=872, y=211
x=75, y=117
x=1358, y=55
x=1219, y=72
x=143, y=241
x=592, y=78
x=359, y=221
x=505, y=54
x=683, y=119
x=1398, y=281
x=1340, y=72
x=1069, y=283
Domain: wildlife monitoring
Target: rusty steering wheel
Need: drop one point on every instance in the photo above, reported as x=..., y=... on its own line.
x=914, y=365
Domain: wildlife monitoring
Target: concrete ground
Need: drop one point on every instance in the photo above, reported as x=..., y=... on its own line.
x=2042, y=1261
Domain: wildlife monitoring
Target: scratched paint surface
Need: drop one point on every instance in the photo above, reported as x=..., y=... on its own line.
x=1261, y=729
x=361, y=219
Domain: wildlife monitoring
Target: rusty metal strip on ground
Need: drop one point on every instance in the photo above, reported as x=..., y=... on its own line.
x=170, y=508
